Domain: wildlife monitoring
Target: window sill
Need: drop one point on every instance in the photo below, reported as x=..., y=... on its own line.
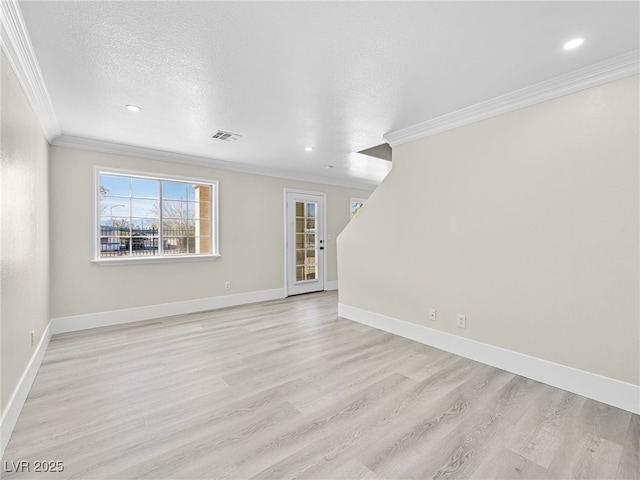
x=154, y=259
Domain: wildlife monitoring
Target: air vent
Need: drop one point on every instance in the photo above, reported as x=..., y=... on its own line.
x=225, y=136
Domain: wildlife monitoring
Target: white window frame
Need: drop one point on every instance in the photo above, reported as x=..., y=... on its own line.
x=129, y=260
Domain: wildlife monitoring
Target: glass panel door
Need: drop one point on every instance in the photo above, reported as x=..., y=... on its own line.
x=305, y=243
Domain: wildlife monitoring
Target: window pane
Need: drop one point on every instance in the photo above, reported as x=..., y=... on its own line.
x=140, y=243
x=202, y=227
x=311, y=241
x=191, y=210
x=147, y=226
x=202, y=210
x=131, y=211
x=174, y=190
x=106, y=222
x=191, y=192
x=115, y=206
x=202, y=245
x=143, y=239
x=175, y=245
x=144, y=188
x=114, y=221
x=174, y=228
x=111, y=238
x=174, y=209
x=202, y=193
x=310, y=273
x=299, y=209
x=115, y=185
x=145, y=208
x=355, y=207
x=311, y=209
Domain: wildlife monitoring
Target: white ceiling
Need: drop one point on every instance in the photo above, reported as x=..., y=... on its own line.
x=336, y=76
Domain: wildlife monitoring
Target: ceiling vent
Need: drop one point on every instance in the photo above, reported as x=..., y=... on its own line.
x=225, y=136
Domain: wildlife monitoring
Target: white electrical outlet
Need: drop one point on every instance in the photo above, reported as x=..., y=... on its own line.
x=462, y=321
x=33, y=338
x=227, y=285
x=432, y=314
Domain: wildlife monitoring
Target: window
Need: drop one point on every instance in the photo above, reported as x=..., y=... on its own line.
x=144, y=217
x=356, y=205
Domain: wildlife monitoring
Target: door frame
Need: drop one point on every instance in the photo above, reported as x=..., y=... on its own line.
x=287, y=191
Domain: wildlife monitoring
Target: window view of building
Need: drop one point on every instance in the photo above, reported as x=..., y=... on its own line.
x=147, y=216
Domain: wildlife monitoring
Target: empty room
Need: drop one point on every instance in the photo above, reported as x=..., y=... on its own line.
x=320, y=239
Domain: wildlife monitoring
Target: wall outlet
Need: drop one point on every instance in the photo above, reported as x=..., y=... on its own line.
x=33, y=338
x=227, y=285
x=462, y=321
x=432, y=314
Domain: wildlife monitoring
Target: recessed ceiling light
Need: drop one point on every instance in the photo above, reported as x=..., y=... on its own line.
x=575, y=43
x=308, y=149
x=133, y=108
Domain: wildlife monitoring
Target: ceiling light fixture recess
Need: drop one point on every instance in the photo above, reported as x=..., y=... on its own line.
x=308, y=149
x=575, y=43
x=133, y=108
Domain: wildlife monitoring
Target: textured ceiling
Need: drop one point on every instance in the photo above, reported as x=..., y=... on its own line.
x=336, y=76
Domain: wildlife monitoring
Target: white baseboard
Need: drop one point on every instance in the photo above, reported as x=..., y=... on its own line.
x=331, y=285
x=16, y=402
x=136, y=314
x=603, y=389
x=114, y=317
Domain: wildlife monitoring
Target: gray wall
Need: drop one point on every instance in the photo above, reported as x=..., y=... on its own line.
x=251, y=238
x=24, y=237
x=526, y=222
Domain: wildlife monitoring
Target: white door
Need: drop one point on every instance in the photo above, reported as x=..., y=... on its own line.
x=305, y=242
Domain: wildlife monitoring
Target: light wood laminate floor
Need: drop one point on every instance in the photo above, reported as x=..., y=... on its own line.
x=286, y=389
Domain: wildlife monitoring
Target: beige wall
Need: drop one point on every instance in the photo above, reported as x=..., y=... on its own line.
x=251, y=238
x=527, y=223
x=24, y=237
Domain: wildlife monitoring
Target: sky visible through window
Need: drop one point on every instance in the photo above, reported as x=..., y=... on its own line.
x=154, y=216
x=356, y=205
x=138, y=197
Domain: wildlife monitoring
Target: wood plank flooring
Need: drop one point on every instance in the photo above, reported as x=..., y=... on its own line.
x=286, y=389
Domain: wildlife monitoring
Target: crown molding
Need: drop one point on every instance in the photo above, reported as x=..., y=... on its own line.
x=597, y=74
x=101, y=146
x=17, y=47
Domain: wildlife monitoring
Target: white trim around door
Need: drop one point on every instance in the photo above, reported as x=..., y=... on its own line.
x=305, y=243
